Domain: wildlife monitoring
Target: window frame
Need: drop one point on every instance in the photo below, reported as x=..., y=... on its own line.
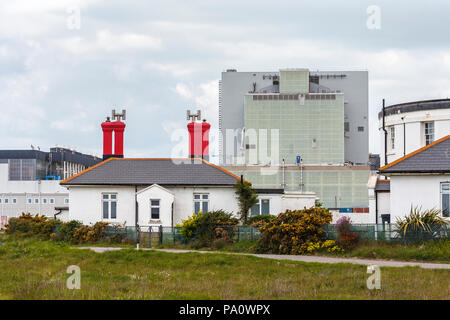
x=392, y=137
x=260, y=200
x=51, y=201
x=201, y=200
x=108, y=200
x=441, y=200
x=155, y=207
x=427, y=135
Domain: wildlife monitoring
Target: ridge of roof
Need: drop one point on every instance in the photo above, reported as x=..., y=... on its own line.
x=409, y=155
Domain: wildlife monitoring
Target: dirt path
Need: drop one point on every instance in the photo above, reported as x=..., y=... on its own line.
x=381, y=263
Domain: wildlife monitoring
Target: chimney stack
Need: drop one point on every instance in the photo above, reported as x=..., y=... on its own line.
x=118, y=127
x=198, y=136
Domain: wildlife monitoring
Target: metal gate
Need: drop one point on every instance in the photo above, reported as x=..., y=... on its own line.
x=150, y=236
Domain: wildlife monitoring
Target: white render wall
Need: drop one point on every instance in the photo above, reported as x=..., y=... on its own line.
x=415, y=132
x=415, y=190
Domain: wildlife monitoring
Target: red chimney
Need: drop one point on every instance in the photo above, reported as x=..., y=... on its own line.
x=118, y=128
x=199, y=139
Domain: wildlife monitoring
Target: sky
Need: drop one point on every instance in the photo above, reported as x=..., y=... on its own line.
x=65, y=64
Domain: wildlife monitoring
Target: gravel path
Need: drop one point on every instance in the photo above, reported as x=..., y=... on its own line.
x=381, y=263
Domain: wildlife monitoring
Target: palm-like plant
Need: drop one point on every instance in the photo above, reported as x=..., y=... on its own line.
x=420, y=220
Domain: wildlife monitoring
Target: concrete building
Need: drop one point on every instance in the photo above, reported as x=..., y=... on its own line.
x=290, y=130
x=412, y=125
x=163, y=192
x=349, y=87
x=420, y=178
x=29, y=180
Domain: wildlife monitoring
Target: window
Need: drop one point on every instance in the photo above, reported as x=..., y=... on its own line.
x=36, y=200
x=154, y=209
x=429, y=132
x=445, y=199
x=392, y=137
x=30, y=201
x=201, y=202
x=1, y=200
x=6, y=200
x=14, y=200
x=22, y=169
x=52, y=201
x=44, y=200
x=261, y=207
x=109, y=201
x=360, y=129
x=66, y=201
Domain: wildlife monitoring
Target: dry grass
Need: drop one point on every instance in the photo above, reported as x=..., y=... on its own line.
x=37, y=270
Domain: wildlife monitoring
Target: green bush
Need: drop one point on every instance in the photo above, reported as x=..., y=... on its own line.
x=94, y=233
x=28, y=225
x=420, y=224
x=258, y=220
x=202, y=226
x=66, y=230
x=296, y=232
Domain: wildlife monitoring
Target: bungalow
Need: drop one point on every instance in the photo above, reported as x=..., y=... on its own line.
x=421, y=178
x=162, y=191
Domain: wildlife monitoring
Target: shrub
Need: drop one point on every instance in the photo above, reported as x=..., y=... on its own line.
x=28, y=225
x=260, y=219
x=343, y=225
x=346, y=238
x=202, y=226
x=420, y=223
x=294, y=231
x=66, y=230
x=94, y=233
x=247, y=198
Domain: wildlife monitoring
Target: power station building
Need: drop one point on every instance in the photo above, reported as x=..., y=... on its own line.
x=299, y=131
x=29, y=180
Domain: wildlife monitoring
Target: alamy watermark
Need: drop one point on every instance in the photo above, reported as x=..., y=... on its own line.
x=74, y=280
x=73, y=21
x=374, y=281
x=373, y=21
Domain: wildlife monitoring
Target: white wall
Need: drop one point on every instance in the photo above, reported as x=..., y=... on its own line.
x=165, y=197
x=86, y=204
x=415, y=190
x=414, y=127
x=383, y=204
x=298, y=200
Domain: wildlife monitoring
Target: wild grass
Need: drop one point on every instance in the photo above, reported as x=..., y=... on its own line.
x=32, y=269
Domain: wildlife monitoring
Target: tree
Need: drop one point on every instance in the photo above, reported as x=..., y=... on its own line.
x=247, y=198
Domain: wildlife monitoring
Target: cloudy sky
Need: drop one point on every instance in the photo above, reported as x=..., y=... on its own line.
x=65, y=64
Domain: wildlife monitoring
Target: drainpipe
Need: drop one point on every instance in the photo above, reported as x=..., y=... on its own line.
x=385, y=136
x=404, y=136
x=284, y=181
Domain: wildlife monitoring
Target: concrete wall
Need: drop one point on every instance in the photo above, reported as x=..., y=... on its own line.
x=407, y=191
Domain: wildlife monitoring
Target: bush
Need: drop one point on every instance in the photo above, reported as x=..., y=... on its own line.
x=202, y=226
x=28, y=225
x=346, y=238
x=260, y=219
x=295, y=232
x=94, y=233
x=420, y=224
x=66, y=230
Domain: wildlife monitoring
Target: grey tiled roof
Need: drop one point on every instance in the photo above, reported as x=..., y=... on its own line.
x=150, y=171
x=383, y=185
x=435, y=158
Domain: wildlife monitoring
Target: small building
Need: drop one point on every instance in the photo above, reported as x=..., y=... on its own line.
x=421, y=178
x=163, y=191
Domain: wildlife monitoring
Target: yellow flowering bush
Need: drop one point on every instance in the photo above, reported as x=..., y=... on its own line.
x=296, y=232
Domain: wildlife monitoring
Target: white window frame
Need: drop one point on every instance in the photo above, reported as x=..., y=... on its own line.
x=51, y=201
x=29, y=200
x=6, y=200
x=66, y=201
x=429, y=137
x=44, y=200
x=392, y=137
x=109, y=200
x=442, y=192
x=36, y=201
x=14, y=201
x=260, y=206
x=201, y=200
x=155, y=207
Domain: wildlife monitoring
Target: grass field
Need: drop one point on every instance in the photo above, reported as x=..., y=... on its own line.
x=34, y=269
x=432, y=251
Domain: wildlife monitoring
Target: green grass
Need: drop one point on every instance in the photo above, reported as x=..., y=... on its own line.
x=431, y=251
x=32, y=269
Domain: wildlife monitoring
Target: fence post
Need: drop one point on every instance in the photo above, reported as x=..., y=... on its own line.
x=150, y=236
x=160, y=234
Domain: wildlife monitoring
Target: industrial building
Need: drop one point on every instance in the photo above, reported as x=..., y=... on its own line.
x=29, y=180
x=299, y=131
